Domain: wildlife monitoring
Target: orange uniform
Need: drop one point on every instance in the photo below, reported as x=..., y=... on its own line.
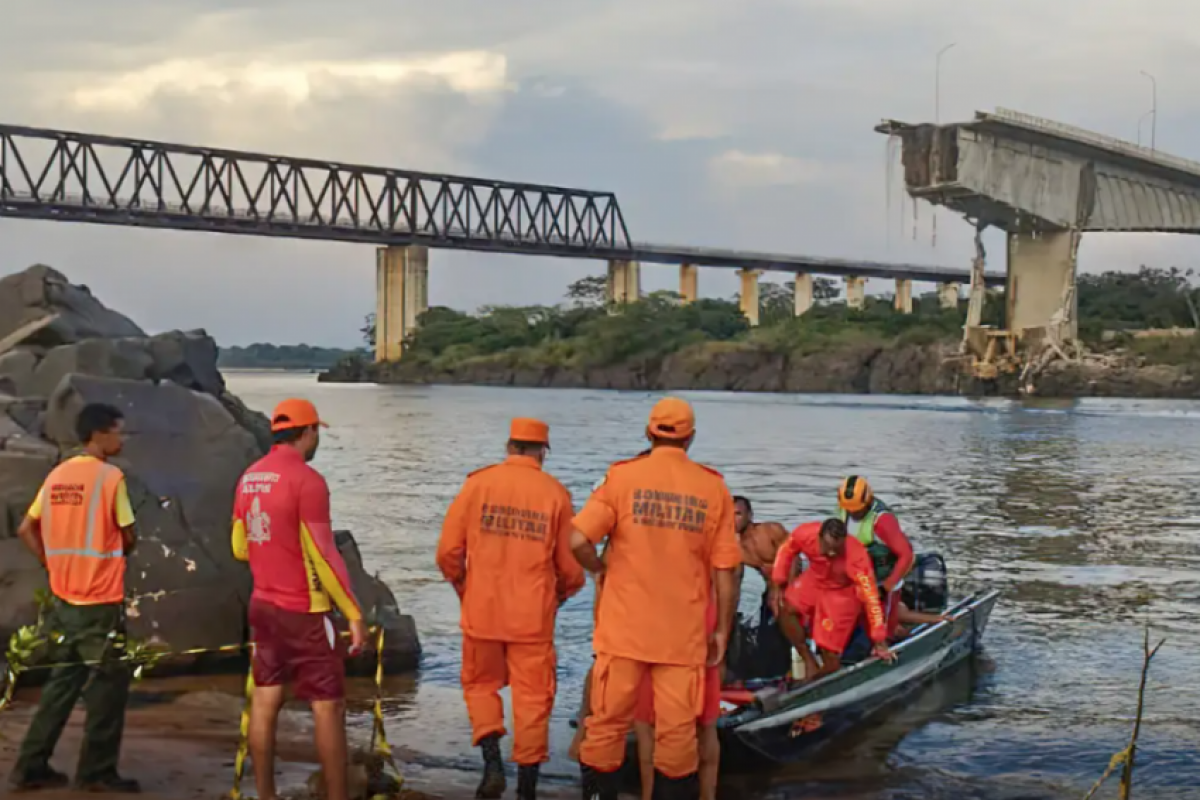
x=82, y=506
x=669, y=524
x=832, y=594
x=505, y=547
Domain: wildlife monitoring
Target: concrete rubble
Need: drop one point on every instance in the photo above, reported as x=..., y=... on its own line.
x=189, y=441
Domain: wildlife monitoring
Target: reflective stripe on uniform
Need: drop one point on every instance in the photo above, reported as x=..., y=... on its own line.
x=92, y=550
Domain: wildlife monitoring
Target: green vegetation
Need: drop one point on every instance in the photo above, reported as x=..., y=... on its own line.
x=581, y=334
x=287, y=356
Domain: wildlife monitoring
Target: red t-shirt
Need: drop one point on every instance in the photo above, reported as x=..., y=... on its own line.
x=281, y=525
x=887, y=530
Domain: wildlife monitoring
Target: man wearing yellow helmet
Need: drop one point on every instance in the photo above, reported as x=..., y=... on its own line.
x=870, y=521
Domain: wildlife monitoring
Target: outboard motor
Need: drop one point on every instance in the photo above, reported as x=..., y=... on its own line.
x=926, y=588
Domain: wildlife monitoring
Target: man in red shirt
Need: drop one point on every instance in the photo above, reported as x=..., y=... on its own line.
x=281, y=525
x=873, y=524
x=831, y=595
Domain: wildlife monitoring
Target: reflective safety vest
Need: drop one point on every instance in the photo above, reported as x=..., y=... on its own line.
x=882, y=558
x=85, y=552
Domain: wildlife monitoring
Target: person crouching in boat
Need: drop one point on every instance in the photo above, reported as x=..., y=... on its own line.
x=834, y=592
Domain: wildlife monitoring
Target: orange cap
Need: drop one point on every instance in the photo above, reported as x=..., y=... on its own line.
x=525, y=429
x=672, y=418
x=295, y=412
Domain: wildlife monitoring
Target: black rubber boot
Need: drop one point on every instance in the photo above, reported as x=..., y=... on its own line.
x=493, y=784
x=685, y=788
x=527, y=780
x=599, y=785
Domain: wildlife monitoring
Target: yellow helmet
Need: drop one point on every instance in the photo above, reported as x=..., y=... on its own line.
x=855, y=495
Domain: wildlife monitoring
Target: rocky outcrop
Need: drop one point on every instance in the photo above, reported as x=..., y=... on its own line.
x=851, y=368
x=188, y=442
x=723, y=366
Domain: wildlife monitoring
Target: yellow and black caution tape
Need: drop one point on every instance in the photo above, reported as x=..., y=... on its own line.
x=239, y=763
x=25, y=644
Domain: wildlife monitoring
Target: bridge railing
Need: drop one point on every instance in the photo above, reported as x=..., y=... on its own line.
x=61, y=175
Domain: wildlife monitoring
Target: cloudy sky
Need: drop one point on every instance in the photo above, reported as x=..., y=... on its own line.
x=744, y=124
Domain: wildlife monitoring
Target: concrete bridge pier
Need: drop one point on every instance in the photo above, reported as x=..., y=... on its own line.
x=689, y=282
x=903, y=302
x=856, y=293
x=803, y=293
x=401, y=296
x=948, y=294
x=1041, y=282
x=624, y=283
x=748, y=299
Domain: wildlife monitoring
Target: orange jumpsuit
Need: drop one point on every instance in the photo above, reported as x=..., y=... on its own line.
x=669, y=522
x=832, y=594
x=505, y=547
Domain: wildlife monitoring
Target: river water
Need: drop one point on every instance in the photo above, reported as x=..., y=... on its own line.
x=1086, y=514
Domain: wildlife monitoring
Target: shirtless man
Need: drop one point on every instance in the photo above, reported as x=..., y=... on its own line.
x=760, y=543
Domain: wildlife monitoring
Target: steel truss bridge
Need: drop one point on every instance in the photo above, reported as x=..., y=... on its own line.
x=78, y=177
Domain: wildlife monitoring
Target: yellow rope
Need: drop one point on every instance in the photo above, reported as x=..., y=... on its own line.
x=239, y=763
x=378, y=734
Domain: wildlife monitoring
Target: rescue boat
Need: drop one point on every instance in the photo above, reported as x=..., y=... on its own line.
x=781, y=721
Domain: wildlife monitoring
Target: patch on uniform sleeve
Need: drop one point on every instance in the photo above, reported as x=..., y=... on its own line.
x=603, y=480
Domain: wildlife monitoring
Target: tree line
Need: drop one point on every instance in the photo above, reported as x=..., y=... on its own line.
x=581, y=332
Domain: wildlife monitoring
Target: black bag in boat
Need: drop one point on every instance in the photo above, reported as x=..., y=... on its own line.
x=926, y=588
x=757, y=651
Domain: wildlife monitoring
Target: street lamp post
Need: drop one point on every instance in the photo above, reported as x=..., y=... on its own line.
x=937, y=85
x=1142, y=119
x=1153, y=109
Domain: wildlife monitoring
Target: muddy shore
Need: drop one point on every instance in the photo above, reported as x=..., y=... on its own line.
x=181, y=737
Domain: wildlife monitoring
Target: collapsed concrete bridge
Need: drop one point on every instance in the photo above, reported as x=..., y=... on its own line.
x=1045, y=184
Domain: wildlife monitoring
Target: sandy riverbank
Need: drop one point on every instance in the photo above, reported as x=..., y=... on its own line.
x=181, y=738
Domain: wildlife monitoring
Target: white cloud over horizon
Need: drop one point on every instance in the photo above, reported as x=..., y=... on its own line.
x=732, y=125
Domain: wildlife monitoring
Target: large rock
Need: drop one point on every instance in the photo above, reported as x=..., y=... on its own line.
x=21, y=475
x=189, y=359
x=189, y=440
x=401, y=648
x=16, y=370
x=112, y=358
x=40, y=291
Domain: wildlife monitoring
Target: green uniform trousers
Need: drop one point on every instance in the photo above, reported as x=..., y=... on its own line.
x=104, y=689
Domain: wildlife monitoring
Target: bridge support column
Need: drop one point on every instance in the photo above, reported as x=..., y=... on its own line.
x=748, y=300
x=1041, y=282
x=689, y=282
x=624, y=283
x=401, y=296
x=903, y=302
x=856, y=293
x=948, y=294
x=803, y=293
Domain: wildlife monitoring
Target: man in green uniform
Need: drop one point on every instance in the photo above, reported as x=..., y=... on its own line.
x=80, y=527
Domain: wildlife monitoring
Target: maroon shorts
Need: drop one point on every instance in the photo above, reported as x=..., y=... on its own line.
x=297, y=648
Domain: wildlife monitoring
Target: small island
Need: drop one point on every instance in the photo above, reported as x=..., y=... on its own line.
x=1138, y=331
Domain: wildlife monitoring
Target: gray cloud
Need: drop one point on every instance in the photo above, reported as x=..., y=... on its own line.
x=742, y=125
